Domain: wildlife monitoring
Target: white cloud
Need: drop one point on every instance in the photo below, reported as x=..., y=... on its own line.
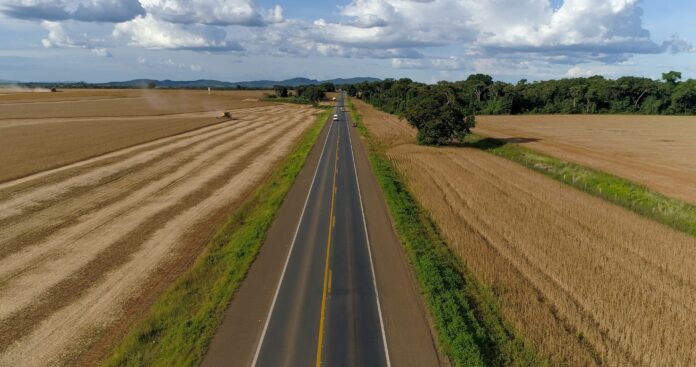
x=102, y=52
x=398, y=24
x=577, y=72
x=608, y=31
x=448, y=63
x=110, y=11
x=212, y=12
x=168, y=62
x=149, y=32
x=59, y=37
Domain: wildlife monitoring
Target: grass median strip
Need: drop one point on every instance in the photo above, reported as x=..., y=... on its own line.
x=179, y=326
x=637, y=198
x=470, y=326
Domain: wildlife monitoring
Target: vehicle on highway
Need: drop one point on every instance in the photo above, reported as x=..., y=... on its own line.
x=335, y=117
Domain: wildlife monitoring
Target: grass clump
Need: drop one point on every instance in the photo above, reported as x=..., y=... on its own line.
x=635, y=197
x=178, y=328
x=471, y=329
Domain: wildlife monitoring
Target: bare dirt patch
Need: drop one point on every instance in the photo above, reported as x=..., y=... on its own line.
x=87, y=244
x=657, y=151
x=589, y=283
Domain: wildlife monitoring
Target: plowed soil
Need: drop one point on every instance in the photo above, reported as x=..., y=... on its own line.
x=587, y=282
x=657, y=151
x=85, y=248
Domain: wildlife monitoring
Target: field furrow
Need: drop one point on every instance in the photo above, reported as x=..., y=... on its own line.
x=588, y=282
x=83, y=241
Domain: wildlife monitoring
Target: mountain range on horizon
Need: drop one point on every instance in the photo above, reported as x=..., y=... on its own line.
x=203, y=83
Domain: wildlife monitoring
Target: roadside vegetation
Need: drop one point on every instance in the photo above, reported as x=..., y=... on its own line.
x=179, y=326
x=638, y=198
x=470, y=326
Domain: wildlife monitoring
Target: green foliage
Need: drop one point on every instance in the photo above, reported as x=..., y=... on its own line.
x=439, y=116
x=480, y=94
x=311, y=93
x=637, y=198
x=178, y=327
x=470, y=326
x=281, y=91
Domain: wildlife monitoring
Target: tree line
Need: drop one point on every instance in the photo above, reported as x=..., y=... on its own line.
x=307, y=93
x=445, y=112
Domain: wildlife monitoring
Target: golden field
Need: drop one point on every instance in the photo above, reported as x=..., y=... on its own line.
x=106, y=211
x=587, y=282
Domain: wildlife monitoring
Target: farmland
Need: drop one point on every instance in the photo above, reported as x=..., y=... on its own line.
x=656, y=151
x=91, y=236
x=78, y=124
x=585, y=281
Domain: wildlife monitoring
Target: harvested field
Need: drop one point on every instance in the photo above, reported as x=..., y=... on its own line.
x=657, y=151
x=589, y=283
x=78, y=124
x=85, y=248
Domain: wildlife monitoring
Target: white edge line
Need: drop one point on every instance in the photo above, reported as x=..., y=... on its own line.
x=287, y=259
x=369, y=251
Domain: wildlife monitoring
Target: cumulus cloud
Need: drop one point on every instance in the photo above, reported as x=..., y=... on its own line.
x=447, y=63
x=608, y=31
x=168, y=63
x=59, y=37
x=109, y=11
x=398, y=24
x=212, y=12
x=152, y=33
x=102, y=52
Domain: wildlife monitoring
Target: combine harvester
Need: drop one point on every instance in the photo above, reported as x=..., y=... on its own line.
x=224, y=116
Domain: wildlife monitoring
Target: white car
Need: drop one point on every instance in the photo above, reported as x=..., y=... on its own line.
x=335, y=118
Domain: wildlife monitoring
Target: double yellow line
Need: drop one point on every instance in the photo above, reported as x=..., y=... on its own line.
x=327, y=271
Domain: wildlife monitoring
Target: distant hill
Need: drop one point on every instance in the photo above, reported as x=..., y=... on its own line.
x=205, y=83
x=3, y=81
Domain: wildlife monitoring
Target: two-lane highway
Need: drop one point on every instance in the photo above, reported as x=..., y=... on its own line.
x=326, y=307
x=327, y=289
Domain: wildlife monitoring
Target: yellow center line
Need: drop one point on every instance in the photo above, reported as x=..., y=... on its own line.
x=327, y=271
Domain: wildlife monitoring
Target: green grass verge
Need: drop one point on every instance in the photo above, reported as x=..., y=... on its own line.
x=637, y=198
x=471, y=329
x=178, y=328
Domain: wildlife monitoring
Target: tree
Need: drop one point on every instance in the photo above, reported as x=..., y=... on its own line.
x=672, y=77
x=440, y=116
x=281, y=91
x=327, y=87
x=151, y=85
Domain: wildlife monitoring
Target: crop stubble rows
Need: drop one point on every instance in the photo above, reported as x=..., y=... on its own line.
x=79, y=243
x=588, y=282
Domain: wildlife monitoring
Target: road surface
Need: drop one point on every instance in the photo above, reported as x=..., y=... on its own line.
x=322, y=305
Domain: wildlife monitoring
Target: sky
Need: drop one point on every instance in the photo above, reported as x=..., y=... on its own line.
x=425, y=40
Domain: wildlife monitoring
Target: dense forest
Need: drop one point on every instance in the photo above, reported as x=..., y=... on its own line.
x=596, y=94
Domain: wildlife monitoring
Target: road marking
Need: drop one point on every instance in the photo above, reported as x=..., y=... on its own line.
x=292, y=246
x=327, y=271
x=369, y=251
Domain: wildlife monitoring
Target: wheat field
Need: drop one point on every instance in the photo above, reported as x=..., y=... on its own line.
x=589, y=283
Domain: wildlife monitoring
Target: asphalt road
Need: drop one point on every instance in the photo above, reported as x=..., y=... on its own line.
x=311, y=297
x=326, y=310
